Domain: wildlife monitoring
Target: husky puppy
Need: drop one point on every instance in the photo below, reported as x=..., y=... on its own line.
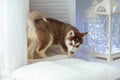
x=50, y=32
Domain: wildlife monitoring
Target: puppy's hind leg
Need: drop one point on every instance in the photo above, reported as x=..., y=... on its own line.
x=41, y=50
x=31, y=50
x=41, y=53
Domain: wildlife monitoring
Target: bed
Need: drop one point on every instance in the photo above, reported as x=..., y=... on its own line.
x=66, y=69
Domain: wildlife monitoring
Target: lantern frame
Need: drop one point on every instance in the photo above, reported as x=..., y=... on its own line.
x=107, y=8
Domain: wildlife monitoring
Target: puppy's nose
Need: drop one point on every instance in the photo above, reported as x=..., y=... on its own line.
x=71, y=52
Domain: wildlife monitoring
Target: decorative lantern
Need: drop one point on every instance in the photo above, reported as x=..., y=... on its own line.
x=104, y=30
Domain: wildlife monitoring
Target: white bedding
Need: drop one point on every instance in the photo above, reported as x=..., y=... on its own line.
x=67, y=69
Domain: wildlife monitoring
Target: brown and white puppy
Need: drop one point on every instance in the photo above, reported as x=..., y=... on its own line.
x=31, y=32
x=53, y=32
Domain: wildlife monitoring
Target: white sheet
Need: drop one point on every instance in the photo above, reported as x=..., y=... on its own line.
x=67, y=69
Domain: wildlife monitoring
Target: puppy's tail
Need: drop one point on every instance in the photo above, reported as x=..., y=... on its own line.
x=36, y=16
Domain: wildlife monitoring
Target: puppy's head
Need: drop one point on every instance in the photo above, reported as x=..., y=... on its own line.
x=74, y=40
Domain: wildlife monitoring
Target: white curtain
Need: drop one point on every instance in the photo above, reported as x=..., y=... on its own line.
x=13, y=31
x=1, y=37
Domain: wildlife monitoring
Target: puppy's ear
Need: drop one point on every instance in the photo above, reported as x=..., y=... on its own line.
x=83, y=34
x=70, y=34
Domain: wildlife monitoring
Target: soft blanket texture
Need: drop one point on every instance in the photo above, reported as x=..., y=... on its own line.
x=67, y=69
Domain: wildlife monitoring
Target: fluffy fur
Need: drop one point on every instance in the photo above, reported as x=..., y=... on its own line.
x=32, y=38
x=47, y=32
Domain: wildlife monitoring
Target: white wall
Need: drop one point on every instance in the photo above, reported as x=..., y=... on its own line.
x=63, y=10
x=13, y=34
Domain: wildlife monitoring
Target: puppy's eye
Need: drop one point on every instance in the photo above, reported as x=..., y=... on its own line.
x=77, y=46
x=71, y=44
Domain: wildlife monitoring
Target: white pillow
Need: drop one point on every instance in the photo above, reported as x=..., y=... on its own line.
x=67, y=69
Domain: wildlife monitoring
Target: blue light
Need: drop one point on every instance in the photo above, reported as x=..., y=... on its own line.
x=98, y=34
